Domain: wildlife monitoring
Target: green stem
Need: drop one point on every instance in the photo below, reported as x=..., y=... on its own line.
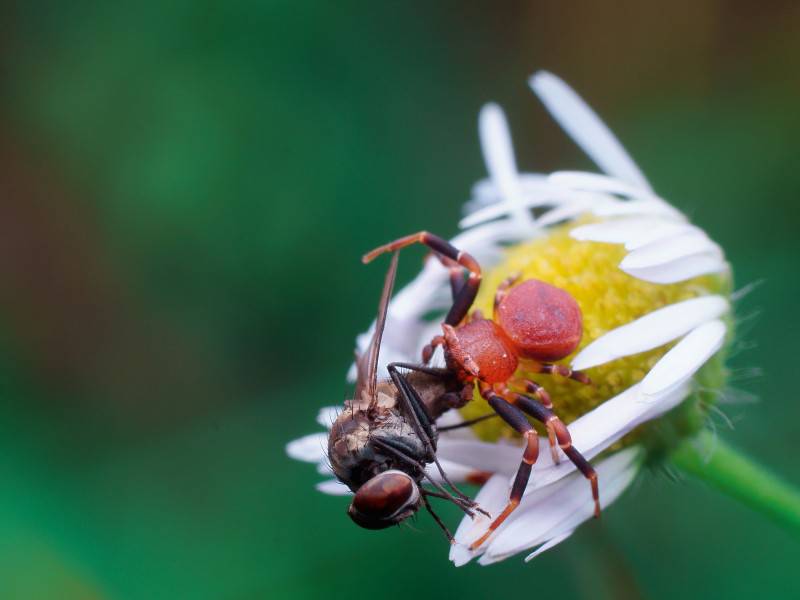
x=712, y=460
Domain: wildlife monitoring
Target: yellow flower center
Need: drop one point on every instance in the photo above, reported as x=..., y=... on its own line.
x=608, y=298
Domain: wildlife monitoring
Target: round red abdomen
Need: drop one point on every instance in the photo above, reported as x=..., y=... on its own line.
x=481, y=348
x=544, y=322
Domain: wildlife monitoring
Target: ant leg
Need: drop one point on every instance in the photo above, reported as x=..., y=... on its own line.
x=539, y=393
x=543, y=397
x=551, y=421
x=502, y=289
x=516, y=418
x=551, y=369
x=427, y=351
x=456, y=280
x=466, y=292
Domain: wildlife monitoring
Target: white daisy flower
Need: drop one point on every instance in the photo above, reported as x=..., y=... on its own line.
x=654, y=292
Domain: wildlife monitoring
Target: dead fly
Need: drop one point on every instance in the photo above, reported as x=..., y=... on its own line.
x=382, y=442
x=533, y=324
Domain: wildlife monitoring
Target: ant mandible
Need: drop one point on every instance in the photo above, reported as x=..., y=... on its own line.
x=534, y=323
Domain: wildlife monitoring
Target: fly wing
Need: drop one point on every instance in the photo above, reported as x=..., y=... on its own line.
x=367, y=363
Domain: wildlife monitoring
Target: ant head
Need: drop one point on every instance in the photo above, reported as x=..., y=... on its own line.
x=482, y=349
x=385, y=500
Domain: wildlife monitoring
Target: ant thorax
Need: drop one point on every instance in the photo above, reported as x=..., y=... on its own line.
x=353, y=454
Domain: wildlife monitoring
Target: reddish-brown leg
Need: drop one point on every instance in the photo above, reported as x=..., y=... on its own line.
x=531, y=386
x=551, y=421
x=516, y=418
x=447, y=253
x=538, y=392
x=427, y=351
x=502, y=289
x=550, y=369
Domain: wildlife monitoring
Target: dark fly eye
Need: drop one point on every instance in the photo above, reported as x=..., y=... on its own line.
x=384, y=500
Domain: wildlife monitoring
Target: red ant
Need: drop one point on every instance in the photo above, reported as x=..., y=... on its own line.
x=534, y=323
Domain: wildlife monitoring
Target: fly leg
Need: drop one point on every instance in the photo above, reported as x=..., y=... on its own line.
x=420, y=421
x=414, y=409
x=436, y=518
x=399, y=452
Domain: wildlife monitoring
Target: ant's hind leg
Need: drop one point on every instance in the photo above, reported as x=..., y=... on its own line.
x=553, y=423
x=447, y=253
x=516, y=418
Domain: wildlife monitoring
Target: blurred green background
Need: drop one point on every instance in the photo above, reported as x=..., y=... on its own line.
x=185, y=191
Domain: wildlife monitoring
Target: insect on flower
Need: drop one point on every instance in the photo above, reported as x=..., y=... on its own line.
x=533, y=321
x=380, y=444
x=582, y=273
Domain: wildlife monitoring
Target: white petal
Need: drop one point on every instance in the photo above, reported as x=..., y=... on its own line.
x=540, y=519
x=560, y=213
x=670, y=249
x=659, y=231
x=449, y=418
x=534, y=194
x=634, y=232
x=485, y=192
x=539, y=495
x=637, y=207
x=651, y=331
x=455, y=472
x=680, y=269
x=481, y=456
x=549, y=545
x=324, y=468
x=309, y=448
x=585, y=128
x=327, y=415
x=614, y=231
x=333, y=487
x=683, y=361
x=594, y=182
x=608, y=423
x=492, y=497
x=498, y=152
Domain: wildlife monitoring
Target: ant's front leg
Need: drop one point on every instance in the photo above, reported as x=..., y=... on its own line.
x=463, y=293
x=516, y=418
